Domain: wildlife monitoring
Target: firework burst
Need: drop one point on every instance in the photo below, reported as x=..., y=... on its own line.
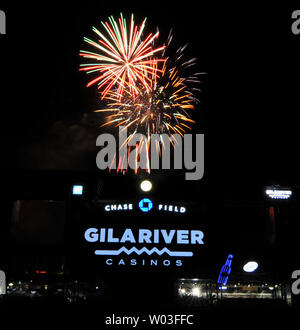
x=162, y=108
x=123, y=59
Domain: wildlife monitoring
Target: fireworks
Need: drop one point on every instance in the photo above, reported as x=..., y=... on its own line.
x=124, y=60
x=161, y=109
x=141, y=92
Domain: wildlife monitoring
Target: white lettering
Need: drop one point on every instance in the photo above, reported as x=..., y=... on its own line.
x=144, y=236
x=196, y=237
x=110, y=237
x=91, y=235
x=182, y=236
x=168, y=237
x=127, y=237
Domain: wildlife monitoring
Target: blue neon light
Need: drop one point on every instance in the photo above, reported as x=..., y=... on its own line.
x=225, y=271
x=145, y=205
x=144, y=250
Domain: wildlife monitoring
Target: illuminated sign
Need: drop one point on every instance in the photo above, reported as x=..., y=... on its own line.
x=225, y=271
x=118, y=207
x=279, y=194
x=145, y=205
x=77, y=190
x=118, y=241
x=171, y=208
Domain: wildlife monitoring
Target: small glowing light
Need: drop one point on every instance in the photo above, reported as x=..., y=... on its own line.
x=10, y=284
x=182, y=291
x=77, y=190
x=250, y=266
x=146, y=185
x=196, y=292
x=223, y=287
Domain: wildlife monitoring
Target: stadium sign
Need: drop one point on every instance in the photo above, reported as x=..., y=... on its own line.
x=145, y=205
x=166, y=246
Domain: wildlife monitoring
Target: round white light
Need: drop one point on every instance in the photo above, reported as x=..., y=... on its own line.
x=146, y=185
x=250, y=266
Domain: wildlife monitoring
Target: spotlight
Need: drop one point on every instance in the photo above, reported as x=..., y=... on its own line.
x=146, y=185
x=77, y=190
x=196, y=292
x=250, y=266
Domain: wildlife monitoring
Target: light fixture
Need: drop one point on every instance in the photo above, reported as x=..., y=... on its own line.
x=196, y=292
x=223, y=287
x=250, y=266
x=146, y=185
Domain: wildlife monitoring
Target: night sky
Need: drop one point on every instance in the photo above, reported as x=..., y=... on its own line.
x=249, y=99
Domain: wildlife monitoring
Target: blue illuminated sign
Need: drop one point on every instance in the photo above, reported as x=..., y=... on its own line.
x=144, y=250
x=225, y=271
x=145, y=204
x=118, y=242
